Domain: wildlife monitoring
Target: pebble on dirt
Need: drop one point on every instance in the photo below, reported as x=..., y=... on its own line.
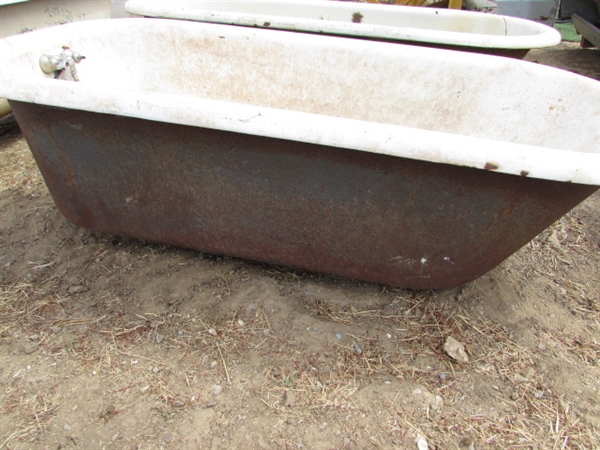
x=77, y=289
x=421, y=442
x=30, y=347
x=289, y=399
x=456, y=350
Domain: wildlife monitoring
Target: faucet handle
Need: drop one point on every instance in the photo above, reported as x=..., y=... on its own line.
x=58, y=64
x=52, y=63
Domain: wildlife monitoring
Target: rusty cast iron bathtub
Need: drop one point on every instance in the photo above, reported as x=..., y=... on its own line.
x=434, y=27
x=333, y=155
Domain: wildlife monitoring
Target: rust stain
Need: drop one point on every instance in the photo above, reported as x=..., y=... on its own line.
x=357, y=17
x=353, y=214
x=491, y=166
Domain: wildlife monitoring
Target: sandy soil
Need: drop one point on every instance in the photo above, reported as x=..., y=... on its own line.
x=112, y=343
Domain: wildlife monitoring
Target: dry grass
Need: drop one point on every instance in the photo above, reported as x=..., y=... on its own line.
x=560, y=255
x=18, y=169
x=535, y=418
x=118, y=350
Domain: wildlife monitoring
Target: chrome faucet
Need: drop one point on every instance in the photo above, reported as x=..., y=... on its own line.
x=62, y=65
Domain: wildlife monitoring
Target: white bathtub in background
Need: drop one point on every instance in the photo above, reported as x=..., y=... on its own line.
x=464, y=30
x=21, y=16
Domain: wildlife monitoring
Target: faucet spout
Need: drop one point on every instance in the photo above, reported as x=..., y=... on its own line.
x=62, y=65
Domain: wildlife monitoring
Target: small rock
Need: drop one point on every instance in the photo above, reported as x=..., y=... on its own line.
x=77, y=289
x=357, y=348
x=217, y=389
x=241, y=323
x=30, y=347
x=467, y=444
x=339, y=335
x=514, y=396
x=289, y=399
x=159, y=338
x=55, y=329
x=34, y=337
x=266, y=332
x=520, y=379
x=213, y=364
x=155, y=370
x=538, y=394
x=553, y=239
x=421, y=442
x=436, y=404
x=212, y=332
x=178, y=404
x=456, y=350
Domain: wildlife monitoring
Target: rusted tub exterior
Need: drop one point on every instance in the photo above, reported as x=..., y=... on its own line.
x=429, y=27
x=318, y=191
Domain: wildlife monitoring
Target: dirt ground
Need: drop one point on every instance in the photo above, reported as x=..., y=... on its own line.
x=112, y=343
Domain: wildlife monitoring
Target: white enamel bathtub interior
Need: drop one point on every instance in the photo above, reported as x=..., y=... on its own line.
x=450, y=107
